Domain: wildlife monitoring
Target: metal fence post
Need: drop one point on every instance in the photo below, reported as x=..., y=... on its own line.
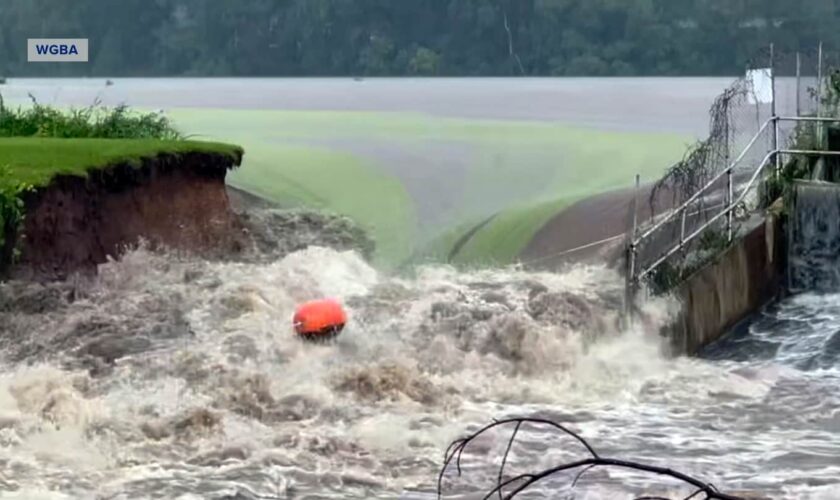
x=798, y=83
x=635, y=203
x=729, y=206
x=726, y=145
x=773, y=79
x=775, y=137
x=630, y=285
x=819, y=94
x=819, y=80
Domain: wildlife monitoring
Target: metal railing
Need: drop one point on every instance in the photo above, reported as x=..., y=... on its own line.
x=728, y=207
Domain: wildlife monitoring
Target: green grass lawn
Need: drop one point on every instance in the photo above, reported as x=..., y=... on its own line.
x=36, y=161
x=27, y=161
x=525, y=171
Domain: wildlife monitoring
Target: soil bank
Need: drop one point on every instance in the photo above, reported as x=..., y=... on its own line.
x=75, y=223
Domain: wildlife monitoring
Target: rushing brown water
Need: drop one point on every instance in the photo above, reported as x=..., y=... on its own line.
x=169, y=377
x=176, y=378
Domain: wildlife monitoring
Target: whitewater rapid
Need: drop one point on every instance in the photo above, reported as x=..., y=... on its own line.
x=167, y=377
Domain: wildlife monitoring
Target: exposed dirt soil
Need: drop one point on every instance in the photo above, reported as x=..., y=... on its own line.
x=178, y=201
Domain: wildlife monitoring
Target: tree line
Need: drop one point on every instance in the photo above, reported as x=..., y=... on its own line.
x=411, y=37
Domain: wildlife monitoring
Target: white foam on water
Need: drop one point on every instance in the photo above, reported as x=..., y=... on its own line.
x=237, y=400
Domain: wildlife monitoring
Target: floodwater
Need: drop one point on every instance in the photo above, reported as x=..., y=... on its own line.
x=178, y=378
x=171, y=377
x=679, y=105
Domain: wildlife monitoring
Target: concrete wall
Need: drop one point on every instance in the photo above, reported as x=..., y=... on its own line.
x=718, y=296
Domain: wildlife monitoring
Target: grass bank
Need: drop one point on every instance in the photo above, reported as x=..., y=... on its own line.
x=36, y=160
x=38, y=143
x=31, y=162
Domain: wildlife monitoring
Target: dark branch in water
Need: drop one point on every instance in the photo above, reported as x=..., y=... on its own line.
x=507, y=452
x=524, y=481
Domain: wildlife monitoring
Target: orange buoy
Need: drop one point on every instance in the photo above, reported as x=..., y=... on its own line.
x=319, y=319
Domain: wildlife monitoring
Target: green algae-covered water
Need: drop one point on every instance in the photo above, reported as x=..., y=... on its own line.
x=414, y=159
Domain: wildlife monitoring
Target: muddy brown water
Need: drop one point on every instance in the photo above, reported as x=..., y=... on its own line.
x=172, y=377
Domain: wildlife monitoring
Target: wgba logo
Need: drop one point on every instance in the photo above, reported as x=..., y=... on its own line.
x=57, y=49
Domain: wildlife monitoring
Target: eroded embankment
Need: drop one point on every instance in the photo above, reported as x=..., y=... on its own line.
x=75, y=223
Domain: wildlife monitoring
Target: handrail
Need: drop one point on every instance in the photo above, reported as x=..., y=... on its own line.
x=821, y=119
x=732, y=206
x=737, y=160
x=675, y=249
x=705, y=187
x=732, y=203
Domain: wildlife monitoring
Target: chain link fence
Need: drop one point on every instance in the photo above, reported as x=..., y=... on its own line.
x=775, y=83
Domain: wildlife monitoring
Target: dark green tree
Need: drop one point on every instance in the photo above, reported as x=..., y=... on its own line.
x=413, y=37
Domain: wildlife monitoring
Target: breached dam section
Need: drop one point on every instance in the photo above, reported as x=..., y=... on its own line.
x=77, y=222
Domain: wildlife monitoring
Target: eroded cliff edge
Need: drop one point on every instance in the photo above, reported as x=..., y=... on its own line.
x=74, y=223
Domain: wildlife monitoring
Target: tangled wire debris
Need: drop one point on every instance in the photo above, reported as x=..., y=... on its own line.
x=708, y=157
x=506, y=489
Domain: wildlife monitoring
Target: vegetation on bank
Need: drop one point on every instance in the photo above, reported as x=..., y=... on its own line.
x=775, y=196
x=41, y=142
x=36, y=160
x=619, y=156
x=11, y=208
x=94, y=121
x=775, y=190
x=811, y=136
